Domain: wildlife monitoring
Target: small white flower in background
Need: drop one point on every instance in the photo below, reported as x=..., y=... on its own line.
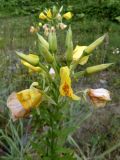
x=116, y=51
x=99, y=97
x=52, y=72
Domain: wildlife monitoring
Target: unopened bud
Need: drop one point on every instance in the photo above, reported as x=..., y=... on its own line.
x=97, y=68
x=54, y=10
x=59, y=17
x=52, y=39
x=45, y=53
x=69, y=52
x=95, y=44
x=30, y=58
x=68, y=37
x=43, y=41
x=62, y=26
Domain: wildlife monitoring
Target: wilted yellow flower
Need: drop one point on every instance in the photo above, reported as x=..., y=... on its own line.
x=33, y=29
x=42, y=16
x=30, y=58
x=31, y=67
x=20, y=103
x=99, y=97
x=62, y=26
x=65, y=85
x=67, y=15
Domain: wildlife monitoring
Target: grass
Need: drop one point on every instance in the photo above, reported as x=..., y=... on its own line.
x=14, y=35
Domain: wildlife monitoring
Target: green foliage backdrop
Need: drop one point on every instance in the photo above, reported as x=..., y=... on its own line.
x=97, y=8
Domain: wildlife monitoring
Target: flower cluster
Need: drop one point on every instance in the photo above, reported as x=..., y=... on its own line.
x=53, y=70
x=52, y=17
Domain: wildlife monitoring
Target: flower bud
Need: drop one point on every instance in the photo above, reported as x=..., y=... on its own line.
x=45, y=53
x=43, y=41
x=52, y=39
x=95, y=44
x=67, y=15
x=30, y=58
x=59, y=17
x=69, y=52
x=62, y=26
x=97, y=68
x=99, y=97
x=54, y=10
x=68, y=37
x=69, y=45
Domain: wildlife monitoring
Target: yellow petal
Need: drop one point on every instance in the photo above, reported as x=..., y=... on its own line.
x=67, y=15
x=78, y=52
x=83, y=60
x=29, y=98
x=31, y=68
x=42, y=16
x=49, y=14
x=65, y=85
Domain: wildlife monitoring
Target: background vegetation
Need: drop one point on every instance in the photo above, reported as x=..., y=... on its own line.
x=91, y=19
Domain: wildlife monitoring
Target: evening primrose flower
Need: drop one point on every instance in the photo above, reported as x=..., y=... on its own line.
x=78, y=52
x=22, y=102
x=78, y=55
x=49, y=13
x=99, y=97
x=65, y=85
x=31, y=67
x=42, y=16
x=67, y=15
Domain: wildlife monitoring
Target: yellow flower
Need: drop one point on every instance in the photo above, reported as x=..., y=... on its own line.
x=30, y=58
x=78, y=52
x=78, y=55
x=20, y=103
x=65, y=86
x=31, y=67
x=49, y=14
x=42, y=16
x=67, y=15
x=99, y=97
